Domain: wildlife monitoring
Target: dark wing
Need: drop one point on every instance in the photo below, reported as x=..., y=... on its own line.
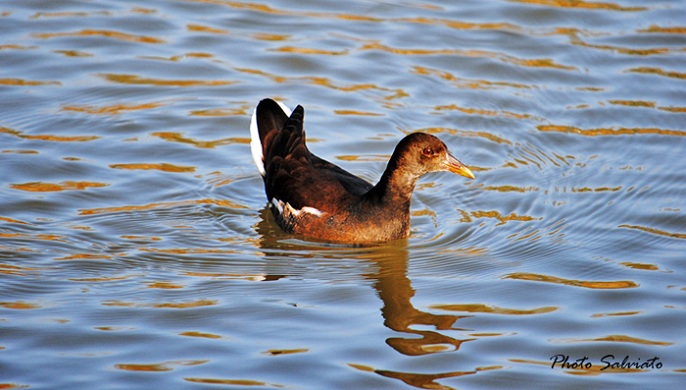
x=350, y=182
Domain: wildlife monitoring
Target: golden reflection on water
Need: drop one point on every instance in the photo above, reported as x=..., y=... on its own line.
x=206, y=29
x=658, y=71
x=12, y=220
x=271, y=37
x=159, y=367
x=663, y=30
x=463, y=133
x=66, y=14
x=582, y=4
x=461, y=25
x=502, y=219
x=17, y=151
x=609, y=131
x=277, y=352
x=451, y=23
x=180, y=57
x=532, y=63
x=483, y=112
x=654, y=231
x=356, y=112
x=8, y=269
x=327, y=83
x=163, y=305
x=105, y=279
x=241, y=5
x=304, y=50
x=643, y=266
x=201, y=335
x=188, y=251
x=140, y=238
x=49, y=137
x=161, y=205
x=214, y=112
x=466, y=83
x=481, y=308
x=233, y=382
x=19, y=305
x=26, y=83
x=233, y=276
x=138, y=80
x=603, y=285
x=56, y=187
x=574, y=38
x=616, y=314
x=509, y=188
x=113, y=109
x=85, y=256
x=597, y=189
x=529, y=155
x=101, y=33
x=73, y=53
x=617, y=338
x=164, y=167
x=165, y=285
x=39, y=236
x=179, y=137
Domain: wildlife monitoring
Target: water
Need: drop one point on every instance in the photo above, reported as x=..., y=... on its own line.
x=136, y=250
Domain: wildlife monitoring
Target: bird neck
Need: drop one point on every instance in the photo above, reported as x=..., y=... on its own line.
x=395, y=186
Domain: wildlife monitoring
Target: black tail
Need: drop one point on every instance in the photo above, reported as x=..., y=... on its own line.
x=279, y=134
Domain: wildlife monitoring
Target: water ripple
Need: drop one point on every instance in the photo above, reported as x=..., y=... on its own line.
x=136, y=241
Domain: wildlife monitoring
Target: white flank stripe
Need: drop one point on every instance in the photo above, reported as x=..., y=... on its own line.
x=255, y=143
x=311, y=210
x=285, y=209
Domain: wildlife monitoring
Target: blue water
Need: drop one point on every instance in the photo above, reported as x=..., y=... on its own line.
x=136, y=250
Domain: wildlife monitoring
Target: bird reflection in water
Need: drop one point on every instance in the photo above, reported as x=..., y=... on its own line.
x=395, y=290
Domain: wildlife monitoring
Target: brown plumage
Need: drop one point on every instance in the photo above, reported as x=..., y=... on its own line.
x=316, y=199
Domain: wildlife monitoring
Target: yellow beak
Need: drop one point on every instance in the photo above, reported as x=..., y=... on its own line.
x=455, y=166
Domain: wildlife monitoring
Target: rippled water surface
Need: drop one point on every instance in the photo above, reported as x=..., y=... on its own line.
x=136, y=250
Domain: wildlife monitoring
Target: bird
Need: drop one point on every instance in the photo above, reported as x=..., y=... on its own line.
x=312, y=198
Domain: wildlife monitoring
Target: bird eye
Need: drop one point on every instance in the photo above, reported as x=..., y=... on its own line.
x=428, y=151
